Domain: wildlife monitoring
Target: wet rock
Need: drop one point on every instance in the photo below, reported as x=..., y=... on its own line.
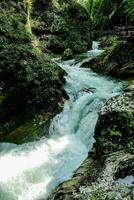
x=129, y=88
x=96, y=180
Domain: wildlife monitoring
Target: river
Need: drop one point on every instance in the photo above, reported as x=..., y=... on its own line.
x=31, y=171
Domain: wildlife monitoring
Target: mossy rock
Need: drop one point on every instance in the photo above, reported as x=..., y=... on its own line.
x=67, y=54
x=117, y=60
x=115, y=126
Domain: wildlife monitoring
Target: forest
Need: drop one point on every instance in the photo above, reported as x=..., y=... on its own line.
x=67, y=99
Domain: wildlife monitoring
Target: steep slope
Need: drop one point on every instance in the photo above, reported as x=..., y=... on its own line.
x=30, y=82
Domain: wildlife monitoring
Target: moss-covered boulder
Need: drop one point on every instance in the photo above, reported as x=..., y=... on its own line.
x=67, y=54
x=115, y=126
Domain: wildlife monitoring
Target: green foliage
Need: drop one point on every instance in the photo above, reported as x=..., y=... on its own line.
x=129, y=8
x=106, y=14
x=114, y=132
x=97, y=17
x=28, y=80
x=87, y=4
x=92, y=197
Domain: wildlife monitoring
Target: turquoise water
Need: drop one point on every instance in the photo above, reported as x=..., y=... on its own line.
x=31, y=171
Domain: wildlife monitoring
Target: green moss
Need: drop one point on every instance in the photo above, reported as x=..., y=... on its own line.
x=26, y=130
x=114, y=132
x=29, y=80
x=92, y=197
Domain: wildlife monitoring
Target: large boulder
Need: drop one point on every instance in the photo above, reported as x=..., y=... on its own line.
x=98, y=179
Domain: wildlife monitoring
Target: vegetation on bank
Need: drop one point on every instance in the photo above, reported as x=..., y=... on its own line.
x=117, y=60
x=30, y=82
x=61, y=25
x=107, y=14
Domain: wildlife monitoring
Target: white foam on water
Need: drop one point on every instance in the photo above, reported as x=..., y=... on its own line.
x=31, y=171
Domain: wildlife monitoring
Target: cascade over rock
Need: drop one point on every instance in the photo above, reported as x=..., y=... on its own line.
x=42, y=165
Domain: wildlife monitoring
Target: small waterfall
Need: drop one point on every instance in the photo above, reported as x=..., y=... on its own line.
x=95, y=45
x=31, y=171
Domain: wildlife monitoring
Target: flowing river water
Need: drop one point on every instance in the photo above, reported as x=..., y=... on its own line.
x=31, y=171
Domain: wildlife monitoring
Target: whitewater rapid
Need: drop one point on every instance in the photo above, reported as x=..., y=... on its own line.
x=31, y=171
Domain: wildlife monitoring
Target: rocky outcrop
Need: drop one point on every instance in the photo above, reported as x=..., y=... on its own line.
x=30, y=83
x=98, y=179
x=115, y=126
x=117, y=60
